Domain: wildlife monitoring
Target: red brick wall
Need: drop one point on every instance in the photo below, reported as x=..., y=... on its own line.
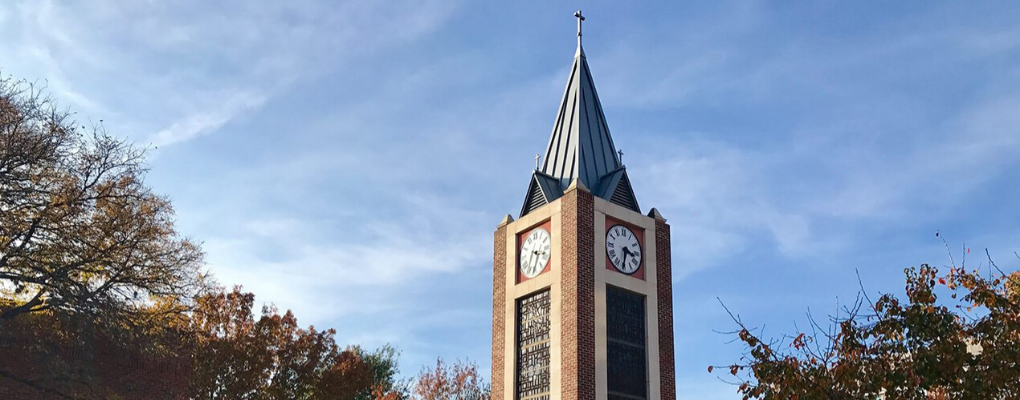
x=498, y=310
x=664, y=277
x=578, y=296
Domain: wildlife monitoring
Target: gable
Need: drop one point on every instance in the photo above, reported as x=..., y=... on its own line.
x=623, y=194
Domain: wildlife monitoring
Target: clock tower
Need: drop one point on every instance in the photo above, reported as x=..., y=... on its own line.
x=582, y=303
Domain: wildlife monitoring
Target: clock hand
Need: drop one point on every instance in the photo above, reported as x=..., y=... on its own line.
x=626, y=252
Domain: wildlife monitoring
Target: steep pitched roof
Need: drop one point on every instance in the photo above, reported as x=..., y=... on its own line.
x=543, y=190
x=615, y=187
x=580, y=147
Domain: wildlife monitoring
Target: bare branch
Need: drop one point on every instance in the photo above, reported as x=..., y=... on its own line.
x=944, y=243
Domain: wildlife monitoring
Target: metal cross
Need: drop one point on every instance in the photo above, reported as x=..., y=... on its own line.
x=579, y=19
x=620, y=152
x=537, y=157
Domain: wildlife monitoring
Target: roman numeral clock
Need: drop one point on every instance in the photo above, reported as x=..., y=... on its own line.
x=621, y=243
x=582, y=292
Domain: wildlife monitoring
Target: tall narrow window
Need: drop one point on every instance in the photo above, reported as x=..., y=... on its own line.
x=626, y=356
x=533, y=346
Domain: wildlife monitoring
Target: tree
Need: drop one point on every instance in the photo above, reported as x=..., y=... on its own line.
x=384, y=366
x=80, y=232
x=70, y=356
x=963, y=347
x=460, y=381
x=239, y=357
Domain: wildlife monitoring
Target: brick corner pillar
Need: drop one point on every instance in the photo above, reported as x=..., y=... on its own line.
x=664, y=277
x=498, y=312
x=578, y=295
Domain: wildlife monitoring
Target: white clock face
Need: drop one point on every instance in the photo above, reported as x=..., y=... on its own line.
x=535, y=252
x=623, y=249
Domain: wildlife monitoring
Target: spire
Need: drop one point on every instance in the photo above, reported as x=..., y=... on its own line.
x=580, y=146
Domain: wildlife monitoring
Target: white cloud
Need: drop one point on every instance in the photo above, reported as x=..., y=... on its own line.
x=403, y=158
x=301, y=265
x=175, y=71
x=719, y=201
x=967, y=150
x=205, y=122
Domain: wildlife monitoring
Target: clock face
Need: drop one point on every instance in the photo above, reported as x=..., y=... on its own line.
x=623, y=249
x=535, y=252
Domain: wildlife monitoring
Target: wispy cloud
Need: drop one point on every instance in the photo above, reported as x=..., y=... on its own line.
x=297, y=263
x=208, y=121
x=350, y=159
x=167, y=73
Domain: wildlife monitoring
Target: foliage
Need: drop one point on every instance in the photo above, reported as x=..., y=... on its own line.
x=239, y=357
x=460, y=381
x=384, y=366
x=80, y=232
x=93, y=274
x=963, y=347
x=71, y=356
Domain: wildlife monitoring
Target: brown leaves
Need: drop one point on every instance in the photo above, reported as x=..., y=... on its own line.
x=911, y=348
x=460, y=381
x=798, y=342
x=240, y=357
x=79, y=229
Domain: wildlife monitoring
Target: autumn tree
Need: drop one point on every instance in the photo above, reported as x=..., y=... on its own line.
x=70, y=356
x=459, y=381
x=240, y=357
x=956, y=335
x=383, y=363
x=80, y=231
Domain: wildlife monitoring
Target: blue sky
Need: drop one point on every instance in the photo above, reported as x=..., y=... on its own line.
x=350, y=160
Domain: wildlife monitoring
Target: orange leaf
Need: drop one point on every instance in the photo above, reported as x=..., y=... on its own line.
x=710, y=369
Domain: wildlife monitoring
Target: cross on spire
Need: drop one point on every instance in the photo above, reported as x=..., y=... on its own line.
x=580, y=18
x=580, y=147
x=620, y=152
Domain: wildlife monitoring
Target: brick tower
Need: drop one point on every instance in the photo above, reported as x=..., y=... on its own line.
x=582, y=295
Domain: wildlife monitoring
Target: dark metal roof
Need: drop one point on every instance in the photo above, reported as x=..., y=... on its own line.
x=543, y=190
x=580, y=147
x=615, y=187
